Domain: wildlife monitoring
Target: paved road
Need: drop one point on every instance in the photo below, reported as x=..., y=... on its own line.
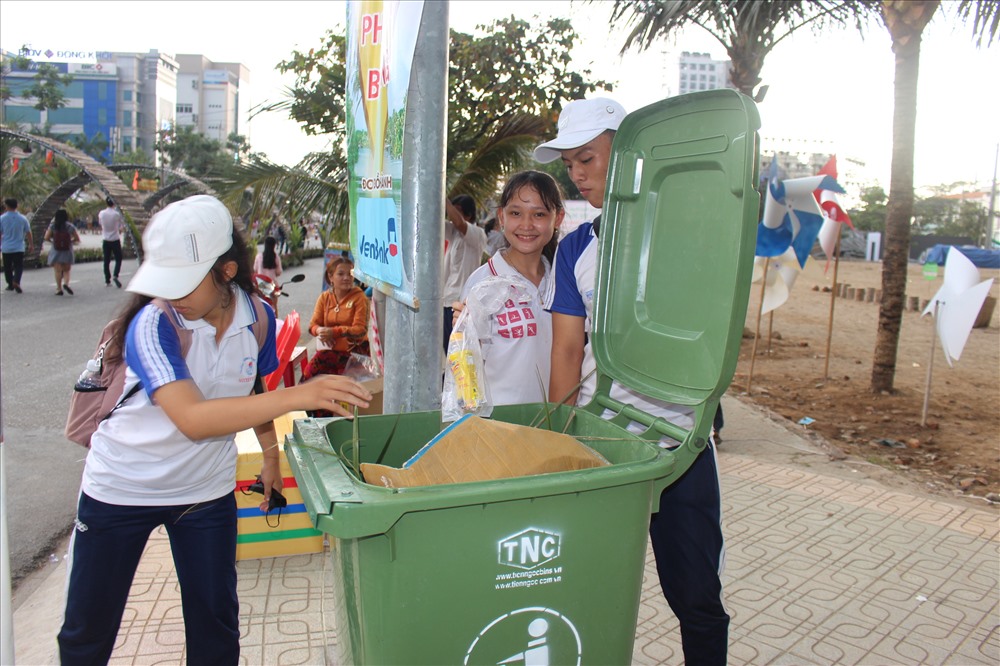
x=46, y=340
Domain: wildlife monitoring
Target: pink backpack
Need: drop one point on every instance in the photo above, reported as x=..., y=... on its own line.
x=88, y=407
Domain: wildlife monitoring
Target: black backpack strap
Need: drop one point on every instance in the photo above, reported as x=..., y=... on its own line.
x=128, y=394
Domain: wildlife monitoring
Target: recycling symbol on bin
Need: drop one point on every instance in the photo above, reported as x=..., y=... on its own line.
x=533, y=636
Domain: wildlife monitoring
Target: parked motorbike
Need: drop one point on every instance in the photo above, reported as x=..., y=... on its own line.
x=270, y=291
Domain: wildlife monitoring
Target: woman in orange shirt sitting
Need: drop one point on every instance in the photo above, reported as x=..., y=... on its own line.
x=339, y=321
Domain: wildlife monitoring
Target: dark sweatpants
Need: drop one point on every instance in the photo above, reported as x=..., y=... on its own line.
x=686, y=534
x=107, y=543
x=13, y=267
x=112, y=249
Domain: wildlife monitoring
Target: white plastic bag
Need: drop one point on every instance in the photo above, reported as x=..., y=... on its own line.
x=361, y=368
x=466, y=385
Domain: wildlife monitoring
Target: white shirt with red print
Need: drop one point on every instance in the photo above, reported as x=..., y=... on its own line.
x=517, y=353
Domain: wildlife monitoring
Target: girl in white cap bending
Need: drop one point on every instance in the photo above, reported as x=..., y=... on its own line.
x=168, y=456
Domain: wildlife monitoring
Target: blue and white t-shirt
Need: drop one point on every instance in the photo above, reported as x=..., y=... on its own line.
x=576, y=279
x=139, y=457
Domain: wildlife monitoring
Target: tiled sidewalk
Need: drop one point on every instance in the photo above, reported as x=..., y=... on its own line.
x=820, y=570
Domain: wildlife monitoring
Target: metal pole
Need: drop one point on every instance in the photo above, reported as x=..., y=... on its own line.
x=930, y=368
x=833, y=300
x=413, y=337
x=770, y=330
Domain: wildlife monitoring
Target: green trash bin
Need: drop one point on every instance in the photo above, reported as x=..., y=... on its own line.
x=548, y=569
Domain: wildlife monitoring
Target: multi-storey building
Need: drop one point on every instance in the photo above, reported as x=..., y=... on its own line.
x=90, y=99
x=698, y=71
x=208, y=96
x=130, y=98
x=148, y=97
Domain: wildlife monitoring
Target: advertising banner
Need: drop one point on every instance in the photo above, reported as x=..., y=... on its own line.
x=381, y=35
x=62, y=53
x=92, y=69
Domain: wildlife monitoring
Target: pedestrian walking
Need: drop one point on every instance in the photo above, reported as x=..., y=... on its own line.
x=63, y=237
x=15, y=236
x=112, y=226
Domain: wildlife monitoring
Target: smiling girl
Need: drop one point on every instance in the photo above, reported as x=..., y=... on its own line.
x=168, y=455
x=518, y=349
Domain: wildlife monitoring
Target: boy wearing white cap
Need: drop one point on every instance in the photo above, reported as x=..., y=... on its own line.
x=167, y=455
x=686, y=532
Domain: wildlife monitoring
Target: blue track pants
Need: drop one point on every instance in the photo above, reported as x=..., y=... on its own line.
x=686, y=535
x=107, y=543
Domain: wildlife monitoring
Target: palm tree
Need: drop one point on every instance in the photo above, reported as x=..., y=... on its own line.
x=26, y=183
x=506, y=149
x=905, y=21
x=93, y=146
x=259, y=189
x=747, y=30
x=35, y=176
x=490, y=133
x=319, y=181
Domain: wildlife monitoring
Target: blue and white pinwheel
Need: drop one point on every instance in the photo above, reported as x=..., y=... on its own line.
x=792, y=216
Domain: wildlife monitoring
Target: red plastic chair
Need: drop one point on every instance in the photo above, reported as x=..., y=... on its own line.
x=288, y=337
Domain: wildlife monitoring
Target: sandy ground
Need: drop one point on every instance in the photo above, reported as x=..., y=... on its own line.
x=956, y=452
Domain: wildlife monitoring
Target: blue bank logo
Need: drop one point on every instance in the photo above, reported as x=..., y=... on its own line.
x=379, y=252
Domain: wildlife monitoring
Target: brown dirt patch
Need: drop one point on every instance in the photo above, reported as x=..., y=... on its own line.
x=959, y=448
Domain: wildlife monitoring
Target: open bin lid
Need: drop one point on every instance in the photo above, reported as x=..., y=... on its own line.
x=677, y=239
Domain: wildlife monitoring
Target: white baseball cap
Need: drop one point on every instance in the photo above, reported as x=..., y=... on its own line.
x=180, y=245
x=581, y=121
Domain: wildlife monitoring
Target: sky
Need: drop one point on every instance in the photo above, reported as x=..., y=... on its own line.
x=833, y=91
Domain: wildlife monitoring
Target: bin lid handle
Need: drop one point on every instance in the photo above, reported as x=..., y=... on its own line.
x=603, y=399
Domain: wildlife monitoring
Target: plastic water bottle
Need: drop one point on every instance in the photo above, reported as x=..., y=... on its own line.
x=90, y=378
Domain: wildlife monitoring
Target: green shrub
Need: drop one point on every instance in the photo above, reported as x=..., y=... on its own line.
x=89, y=254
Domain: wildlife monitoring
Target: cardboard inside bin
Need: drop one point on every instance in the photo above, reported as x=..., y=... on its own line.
x=476, y=449
x=375, y=404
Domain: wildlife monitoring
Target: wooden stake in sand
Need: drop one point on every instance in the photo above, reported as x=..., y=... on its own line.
x=760, y=311
x=930, y=368
x=770, y=330
x=833, y=299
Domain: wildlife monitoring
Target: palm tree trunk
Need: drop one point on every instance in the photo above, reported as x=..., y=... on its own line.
x=906, y=22
x=745, y=67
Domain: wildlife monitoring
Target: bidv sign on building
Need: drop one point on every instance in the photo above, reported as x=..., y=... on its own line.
x=59, y=53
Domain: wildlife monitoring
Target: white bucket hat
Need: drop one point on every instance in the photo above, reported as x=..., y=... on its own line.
x=581, y=121
x=181, y=244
